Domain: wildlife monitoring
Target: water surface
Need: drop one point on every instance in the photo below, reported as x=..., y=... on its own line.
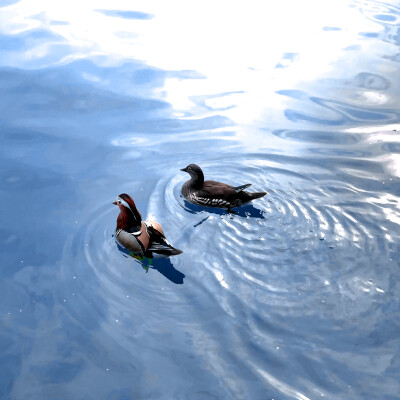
x=293, y=297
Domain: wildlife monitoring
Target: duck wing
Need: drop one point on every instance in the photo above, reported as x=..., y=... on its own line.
x=240, y=188
x=214, y=189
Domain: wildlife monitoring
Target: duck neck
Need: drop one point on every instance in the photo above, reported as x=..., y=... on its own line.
x=198, y=180
x=129, y=222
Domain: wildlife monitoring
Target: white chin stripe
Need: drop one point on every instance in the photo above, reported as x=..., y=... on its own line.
x=124, y=203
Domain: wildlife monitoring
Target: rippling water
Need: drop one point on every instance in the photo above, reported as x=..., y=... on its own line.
x=293, y=297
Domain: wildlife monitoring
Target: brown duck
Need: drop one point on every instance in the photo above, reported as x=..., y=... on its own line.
x=215, y=194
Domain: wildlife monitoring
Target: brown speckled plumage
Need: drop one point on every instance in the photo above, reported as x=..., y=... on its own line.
x=213, y=193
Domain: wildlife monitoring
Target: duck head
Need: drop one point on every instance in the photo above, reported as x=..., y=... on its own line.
x=195, y=173
x=129, y=217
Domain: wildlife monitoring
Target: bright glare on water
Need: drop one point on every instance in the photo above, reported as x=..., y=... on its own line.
x=295, y=296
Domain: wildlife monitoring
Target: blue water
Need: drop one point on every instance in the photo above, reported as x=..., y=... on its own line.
x=293, y=297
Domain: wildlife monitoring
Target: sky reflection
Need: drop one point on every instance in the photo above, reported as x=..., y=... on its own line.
x=291, y=297
x=238, y=50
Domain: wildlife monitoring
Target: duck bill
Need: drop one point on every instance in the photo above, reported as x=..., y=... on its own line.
x=184, y=169
x=115, y=202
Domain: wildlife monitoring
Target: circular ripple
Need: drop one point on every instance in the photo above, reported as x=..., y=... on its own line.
x=296, y=237
x=278, y=250
x=102, y=280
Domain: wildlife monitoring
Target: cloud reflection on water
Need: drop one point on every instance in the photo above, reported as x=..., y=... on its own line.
x=238, y=54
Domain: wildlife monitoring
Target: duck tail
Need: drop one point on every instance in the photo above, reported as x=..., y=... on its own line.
x=257, y=195
x=245, y=197
x=164, y=249
x=160, y=245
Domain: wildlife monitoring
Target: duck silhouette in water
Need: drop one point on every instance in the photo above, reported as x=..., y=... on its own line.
x=215, y=194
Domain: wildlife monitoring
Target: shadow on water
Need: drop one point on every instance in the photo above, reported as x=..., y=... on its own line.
x=163, y=265
x=244, y=211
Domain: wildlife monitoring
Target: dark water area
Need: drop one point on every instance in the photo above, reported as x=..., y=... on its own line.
x=295, y=296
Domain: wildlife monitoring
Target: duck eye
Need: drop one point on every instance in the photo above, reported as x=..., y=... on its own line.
x=119, y=201
x=190, y=168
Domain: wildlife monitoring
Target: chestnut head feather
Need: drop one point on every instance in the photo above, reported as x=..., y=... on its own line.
x=129, y=215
